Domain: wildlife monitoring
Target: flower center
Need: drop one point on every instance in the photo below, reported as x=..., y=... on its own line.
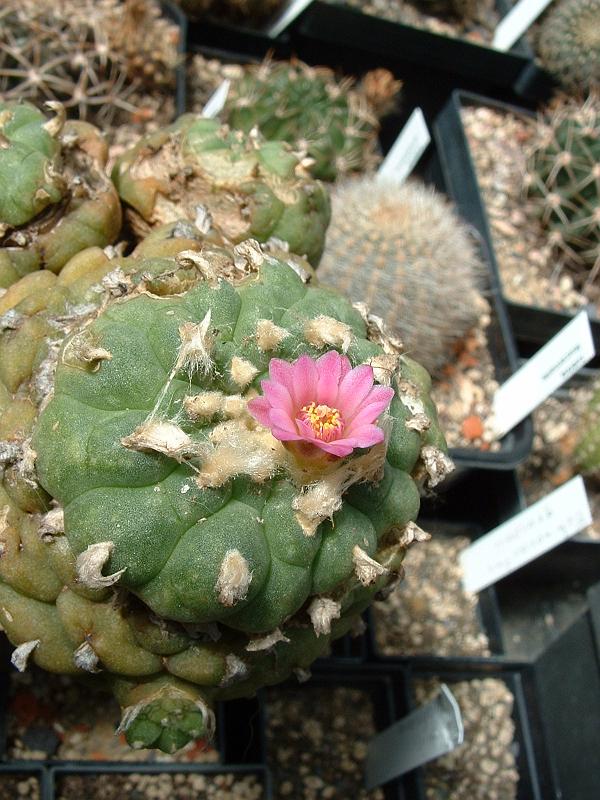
x=325, y=421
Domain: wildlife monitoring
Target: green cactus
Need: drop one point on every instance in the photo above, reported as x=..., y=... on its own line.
x=249, y=187
x=334, y=123
x=563, y=182
x=150, y=530
x=55, y=199
x=569, y=43
x=587, y=447
x=404, y=252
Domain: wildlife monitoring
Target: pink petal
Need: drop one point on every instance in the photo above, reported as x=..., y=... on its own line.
x=305, y=379
x=307, y=430
x=278, y=396
x=366, y=436
x=282, y=372
x=329, y=370
x=355, y=386
x=278, y=418
x=375, y=403
x=285, y=436
x=340, y=447
x=259, y=407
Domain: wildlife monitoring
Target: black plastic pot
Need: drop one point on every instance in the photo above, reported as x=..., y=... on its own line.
x=532, y=326
x=416, y=51
x=175, y=14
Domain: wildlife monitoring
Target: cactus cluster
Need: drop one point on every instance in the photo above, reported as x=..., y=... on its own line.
x=55, y=198
x=334, y=122
x=569, y=43
x=587, y=447
x=563, y=183
x=405, y=253
x=210, y=463
x=101, y=60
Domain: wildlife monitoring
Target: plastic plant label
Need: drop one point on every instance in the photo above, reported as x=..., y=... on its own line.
x=557, y=361
x=515, y=23
x=217, y=100
x=542, y=526
x=426, y=733
x=287, y=16
x=406, y=151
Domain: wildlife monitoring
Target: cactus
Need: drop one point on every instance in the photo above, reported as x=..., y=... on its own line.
x=55, y=199
x=406, y=254
x=334, y=123
x=170, y=519
x=99, y=59
x=586, y=454
x=248, y=187
x=569, y=43
x=563, y=183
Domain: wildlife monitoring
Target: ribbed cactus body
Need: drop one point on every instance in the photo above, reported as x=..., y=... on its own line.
x=55, y=199
x=151, y=529
x=563, y=182
x=569, y=43
x=405, y=253
x=248, y=186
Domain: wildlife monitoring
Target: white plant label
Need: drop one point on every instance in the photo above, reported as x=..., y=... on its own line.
x=542, y=526
x=557, y=361
x=515, y=23
x=216, y=101
x=406, y=151
x=426, y=733
x=287, y=16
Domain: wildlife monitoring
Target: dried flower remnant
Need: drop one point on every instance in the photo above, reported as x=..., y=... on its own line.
x=322, y=404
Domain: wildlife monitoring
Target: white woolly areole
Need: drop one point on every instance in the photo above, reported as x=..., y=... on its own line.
x=161, y=436
x=89, y=564
x=242, y=371
x=320, y=500
x=418, y=422
x=269, y=335
x=412, y=533
x=81, y=349
x=235, y=450
x=384, y=367
x=204, y=405
x=437, y=464
x=366, y=568
x=194, y=354
x=20, y=655
x=234, y=579
x=235, y=670
x=86, y=658
x=52, y=523
x=322, y=331
x=266, y=642
x=408, y=394
x=322, y=611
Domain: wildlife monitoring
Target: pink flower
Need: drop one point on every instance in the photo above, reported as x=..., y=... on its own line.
x=324, y=403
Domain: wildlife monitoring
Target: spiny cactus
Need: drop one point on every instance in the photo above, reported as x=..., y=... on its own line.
x=248, y=186
x=563, y=183
x=587, y=447
x=55, y=199
x=333, y=122
x=569, y=43
x=168, y=516
x=406, y=254
x=100, y=59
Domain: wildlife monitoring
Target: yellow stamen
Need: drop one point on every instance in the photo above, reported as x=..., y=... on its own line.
x=325, y=421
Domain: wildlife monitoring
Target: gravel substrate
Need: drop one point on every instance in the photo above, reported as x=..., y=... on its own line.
x=19, y=787
x=317, y=743
x=551, y=461
x=484, y=766
x=55, y=716
x=530, y=272
x=160, y=787
x=429, y=612
x=479, y=31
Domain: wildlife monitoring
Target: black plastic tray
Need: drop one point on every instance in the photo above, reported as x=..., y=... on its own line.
x=532, y=326
x=176, y=15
